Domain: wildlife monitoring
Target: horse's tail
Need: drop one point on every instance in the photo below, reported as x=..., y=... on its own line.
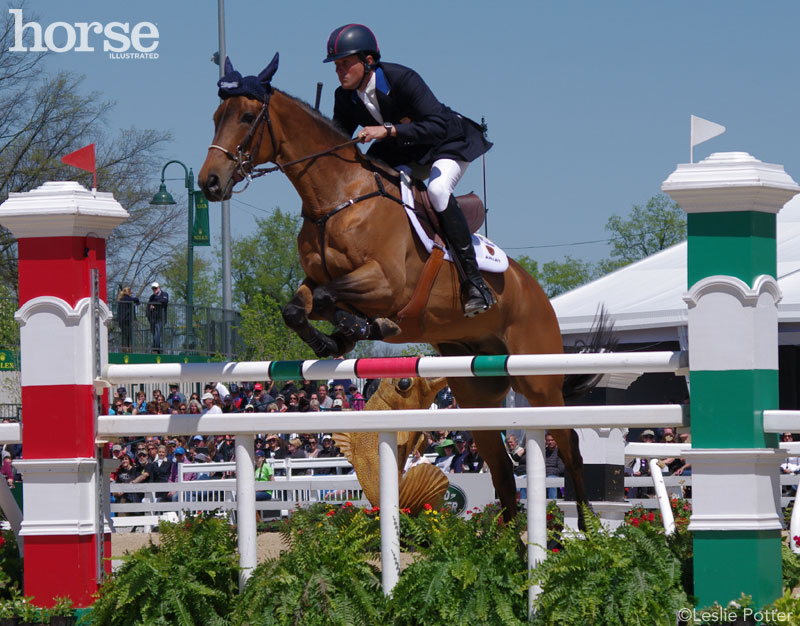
x=602, y=339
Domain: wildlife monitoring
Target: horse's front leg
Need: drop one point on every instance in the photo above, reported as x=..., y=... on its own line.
x=296, y=316
x=365, y=285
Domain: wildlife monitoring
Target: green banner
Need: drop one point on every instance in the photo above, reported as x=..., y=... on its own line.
x=9, y=360
x=201, y=234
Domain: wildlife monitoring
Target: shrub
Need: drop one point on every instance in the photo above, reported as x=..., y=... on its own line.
x=468, y=572
x=629, y=576
x=10, y=565
x=327, y=577
x=190, y=578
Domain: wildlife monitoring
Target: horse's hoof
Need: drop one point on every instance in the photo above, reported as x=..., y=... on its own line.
x=387, y=327
x=344, y=343
x=324, y=347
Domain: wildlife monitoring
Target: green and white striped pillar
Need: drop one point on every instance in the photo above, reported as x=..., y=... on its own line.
x=731, y=200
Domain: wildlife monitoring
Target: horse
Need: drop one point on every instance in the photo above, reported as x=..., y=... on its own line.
x=362, y=261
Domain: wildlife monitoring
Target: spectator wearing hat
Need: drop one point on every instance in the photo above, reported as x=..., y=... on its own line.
x=124, y=475
x=640, y=466
x=357, y=401
x=208, y=403
x=461, y=453
x=264, y=472
x=337, y=404
x=157, y=314
x=447, y=454
x=180, y=457
x=175, y=395
x=261, y=399
x=328, y=451
x=280, y=401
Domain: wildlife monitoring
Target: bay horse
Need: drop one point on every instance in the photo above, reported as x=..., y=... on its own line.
x=362, y=259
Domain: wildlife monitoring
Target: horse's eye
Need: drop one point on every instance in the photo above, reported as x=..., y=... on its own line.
x=248, y=118
x=404, y=384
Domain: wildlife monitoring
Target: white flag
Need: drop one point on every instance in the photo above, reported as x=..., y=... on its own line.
x=703, y=130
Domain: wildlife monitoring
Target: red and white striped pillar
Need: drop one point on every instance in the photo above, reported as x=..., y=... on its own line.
x=61, y=229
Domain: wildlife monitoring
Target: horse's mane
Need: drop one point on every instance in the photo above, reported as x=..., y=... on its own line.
x=388, y=171
x=326, y=121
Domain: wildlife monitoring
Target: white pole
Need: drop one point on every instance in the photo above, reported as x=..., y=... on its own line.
x=794, y=526
x=662, y=497
x=245, y=507
x=12, y=512
x=390, y=511
x=537, y=506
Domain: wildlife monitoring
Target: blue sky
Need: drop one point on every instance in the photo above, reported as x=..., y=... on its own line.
x=587, y=103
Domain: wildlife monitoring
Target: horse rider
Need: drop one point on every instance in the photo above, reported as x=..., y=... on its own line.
x=393, y=105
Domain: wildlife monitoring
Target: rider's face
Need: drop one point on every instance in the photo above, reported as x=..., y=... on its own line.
x=350, y=71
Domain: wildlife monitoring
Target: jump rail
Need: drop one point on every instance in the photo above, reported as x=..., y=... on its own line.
x=398, y=367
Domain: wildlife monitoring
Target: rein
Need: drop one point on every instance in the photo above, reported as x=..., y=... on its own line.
x=244, y=159
x=244, y=165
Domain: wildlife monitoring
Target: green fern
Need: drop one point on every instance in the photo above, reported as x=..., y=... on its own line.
x=621, y=578
x=190, y=578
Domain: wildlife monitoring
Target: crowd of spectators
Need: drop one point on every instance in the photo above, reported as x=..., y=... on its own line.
x=155, y=460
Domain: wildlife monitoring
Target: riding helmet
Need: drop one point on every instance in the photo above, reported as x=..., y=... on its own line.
x=352, y=39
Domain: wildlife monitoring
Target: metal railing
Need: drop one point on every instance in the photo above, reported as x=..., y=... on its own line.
x=213, y=331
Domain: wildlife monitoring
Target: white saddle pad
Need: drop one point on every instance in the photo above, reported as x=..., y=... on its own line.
x=489, y=256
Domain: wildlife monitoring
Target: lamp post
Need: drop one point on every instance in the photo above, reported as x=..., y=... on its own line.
x=163, y=198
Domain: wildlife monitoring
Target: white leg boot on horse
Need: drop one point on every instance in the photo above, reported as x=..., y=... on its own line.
x=476, y=297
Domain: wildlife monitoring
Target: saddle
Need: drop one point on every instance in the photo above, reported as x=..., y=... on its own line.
x=470, y=204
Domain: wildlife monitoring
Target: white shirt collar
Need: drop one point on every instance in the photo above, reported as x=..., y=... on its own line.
x=370, y=100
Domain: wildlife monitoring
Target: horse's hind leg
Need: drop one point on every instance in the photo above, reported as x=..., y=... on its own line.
x=546, y=391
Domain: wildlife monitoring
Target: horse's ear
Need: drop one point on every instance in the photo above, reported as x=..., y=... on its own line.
x=228, y=65
x=266, y=75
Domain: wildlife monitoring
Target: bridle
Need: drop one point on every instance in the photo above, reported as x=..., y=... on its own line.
x=243, y=157
x=244, y=165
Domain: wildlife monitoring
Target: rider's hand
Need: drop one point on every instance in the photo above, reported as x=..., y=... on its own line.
x=370, y=133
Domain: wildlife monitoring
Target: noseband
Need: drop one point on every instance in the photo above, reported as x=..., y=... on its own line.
x=243, y=158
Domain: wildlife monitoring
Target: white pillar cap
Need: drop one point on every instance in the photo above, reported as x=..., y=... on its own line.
x=730, y=181
x=61, y=209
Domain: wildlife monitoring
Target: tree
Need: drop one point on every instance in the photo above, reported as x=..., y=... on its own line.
x=205, y=284
x=43, y=117
x=267, y=262
x=266, y=335
x=556, y=277
x=656, y=226
x=560, y=276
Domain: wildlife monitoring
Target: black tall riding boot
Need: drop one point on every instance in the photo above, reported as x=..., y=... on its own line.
x=476, y=297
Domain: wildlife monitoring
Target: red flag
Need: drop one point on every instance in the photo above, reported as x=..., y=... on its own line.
x=83, y=159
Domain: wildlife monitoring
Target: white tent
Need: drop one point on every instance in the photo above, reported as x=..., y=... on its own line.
x=645, y=299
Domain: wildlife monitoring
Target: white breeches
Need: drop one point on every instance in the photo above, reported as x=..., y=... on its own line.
x=445, y=174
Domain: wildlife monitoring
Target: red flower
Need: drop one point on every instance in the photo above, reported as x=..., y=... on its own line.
x=796, y=541
x=555, y=550
x=346, y=504
x=428, y=507
x=651, y=517
x=2, y=541
x=636, y=521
